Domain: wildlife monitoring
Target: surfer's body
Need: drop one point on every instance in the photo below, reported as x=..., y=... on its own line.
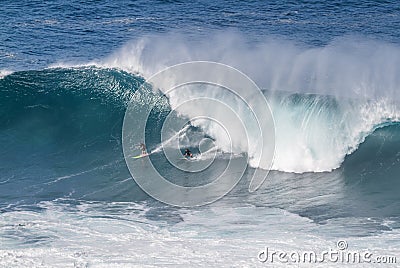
x=188, y=153
x=143, y=148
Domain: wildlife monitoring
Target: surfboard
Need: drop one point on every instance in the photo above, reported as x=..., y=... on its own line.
x=193, y=158
x=141, y=156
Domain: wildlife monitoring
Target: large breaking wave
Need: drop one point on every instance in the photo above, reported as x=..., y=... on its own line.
x=325, y=100
x=60, y=124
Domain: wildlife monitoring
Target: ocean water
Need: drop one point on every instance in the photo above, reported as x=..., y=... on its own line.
x=70, y=70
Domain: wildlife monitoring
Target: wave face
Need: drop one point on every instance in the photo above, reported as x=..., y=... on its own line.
x=61, y=132
x=61, y=135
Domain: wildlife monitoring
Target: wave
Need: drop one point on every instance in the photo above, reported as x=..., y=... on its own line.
x=60, y=125
x=60, y=133
x=313, y=132
x=335, y=97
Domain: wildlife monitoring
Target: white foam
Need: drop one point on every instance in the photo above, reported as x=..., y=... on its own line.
x=210, y=237
x=317, y=137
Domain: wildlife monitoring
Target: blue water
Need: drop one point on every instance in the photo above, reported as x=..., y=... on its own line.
x=329, y=70
x=36, y=34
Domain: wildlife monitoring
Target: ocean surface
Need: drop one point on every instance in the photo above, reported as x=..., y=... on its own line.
x=69, y=70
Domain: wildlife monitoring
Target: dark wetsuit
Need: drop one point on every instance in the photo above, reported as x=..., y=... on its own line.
x=188, y=153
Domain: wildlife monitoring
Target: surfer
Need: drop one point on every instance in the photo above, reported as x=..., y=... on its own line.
x=188, y=153
x=143, y=148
